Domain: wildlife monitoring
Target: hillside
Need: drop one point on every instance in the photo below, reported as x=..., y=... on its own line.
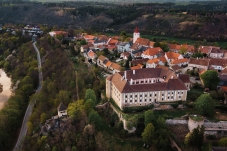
x=198, y=21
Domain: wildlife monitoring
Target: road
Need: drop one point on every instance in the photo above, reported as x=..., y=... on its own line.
x=30, y=107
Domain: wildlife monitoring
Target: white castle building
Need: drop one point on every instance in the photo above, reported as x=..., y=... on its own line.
x=136, y=34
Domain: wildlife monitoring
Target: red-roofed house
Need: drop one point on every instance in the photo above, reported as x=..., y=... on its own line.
x=151, y=53
x=179, y=62
x=171, y=56
x=216, y=53
x=89, y=37
x=91, y=55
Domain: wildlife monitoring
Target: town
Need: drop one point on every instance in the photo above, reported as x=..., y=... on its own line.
x=76, y=89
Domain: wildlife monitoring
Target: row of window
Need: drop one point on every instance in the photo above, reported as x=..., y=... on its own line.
x=145, y=95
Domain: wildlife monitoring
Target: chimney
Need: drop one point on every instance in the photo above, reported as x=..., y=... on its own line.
x=134, y=71
x=197, y=58
x=125, y=75
x=172, y=77
x=131, y=82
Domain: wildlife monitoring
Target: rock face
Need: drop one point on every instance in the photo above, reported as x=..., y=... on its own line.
x=195, y=121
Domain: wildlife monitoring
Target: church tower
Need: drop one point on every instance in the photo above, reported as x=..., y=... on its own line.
x=136, y=34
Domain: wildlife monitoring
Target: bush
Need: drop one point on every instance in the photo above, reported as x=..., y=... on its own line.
x=137, y=109
x=174, y=105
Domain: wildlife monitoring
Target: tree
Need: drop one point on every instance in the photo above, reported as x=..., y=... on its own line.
x=95, y=119
x=148, y=133
x=205, y=105
x=195, y=138
x=223, y=141
x=42, y=117
x=75, y=109
x=183, y=50
x=90, y=94
x=197, y=55
x=210, y=79
x=149, y=117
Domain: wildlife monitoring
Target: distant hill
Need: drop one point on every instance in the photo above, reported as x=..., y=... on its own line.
x=198, y=20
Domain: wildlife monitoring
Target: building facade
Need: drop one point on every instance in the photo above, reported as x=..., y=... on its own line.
x=143, y=87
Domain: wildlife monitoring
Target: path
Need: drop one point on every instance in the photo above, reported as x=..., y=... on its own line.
x=28, y=113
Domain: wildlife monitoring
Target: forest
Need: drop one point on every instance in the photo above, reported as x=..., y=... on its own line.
x=194, y=20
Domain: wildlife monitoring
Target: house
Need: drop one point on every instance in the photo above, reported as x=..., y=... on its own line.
x=136, y=34
x=89, y=38
x=55, y=33
x=171, y=56
x=102, y=60
x=143, y=87
x=198, y=63
x=114, y=67
x=151, y=53
x=137, y=53
x=86, y=48
x=207, y=49
x=139, y=66
x=152, y=63
x=62, y=110
x=138, y=61
x=179, y=62
x=91, y=55
x=123, y=46
x=190, y=49
x=218, y=64
x=125, y=55
x=216, y=53
x=185, y=78
x=176, y=68
x=224, y=54
x=112, y=41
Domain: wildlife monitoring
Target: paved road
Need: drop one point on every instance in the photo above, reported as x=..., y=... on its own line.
x=28, y=113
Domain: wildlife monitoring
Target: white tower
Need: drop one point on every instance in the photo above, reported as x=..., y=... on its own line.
x=136, y=34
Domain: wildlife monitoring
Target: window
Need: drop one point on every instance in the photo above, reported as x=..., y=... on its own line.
x=168, y=97
x=178, y=92
x=140, y=95
x=145, y=100
x=162, y=94
x=125, y=101
x=150, y=100
x=135, y=100
x=168, y=92
x=171, y=97
x=135, y=95
x=126, y=96
x=182, y=92
x=179, y=96
x=172, y=92
x=130, y=96
x=162, y=99
x=141, y=82
x=145, y=95
x=150, y=95
x=130, y=101
x=140, y=100
x=155, y=95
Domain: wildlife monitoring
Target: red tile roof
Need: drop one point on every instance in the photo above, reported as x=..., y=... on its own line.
x=177, y=61
x=171, y=82
x=91, y=54
x=172, y=55
x=152, y=51
x=143, y=41
x=203, y=62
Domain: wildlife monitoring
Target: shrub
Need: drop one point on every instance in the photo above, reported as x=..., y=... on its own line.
x=137, y=109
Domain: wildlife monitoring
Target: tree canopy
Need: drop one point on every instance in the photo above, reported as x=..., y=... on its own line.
x=149, y=117
x=205, y=105
x=223, y=141
x=195, y=138
x=148, y=133
x=210, y=79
